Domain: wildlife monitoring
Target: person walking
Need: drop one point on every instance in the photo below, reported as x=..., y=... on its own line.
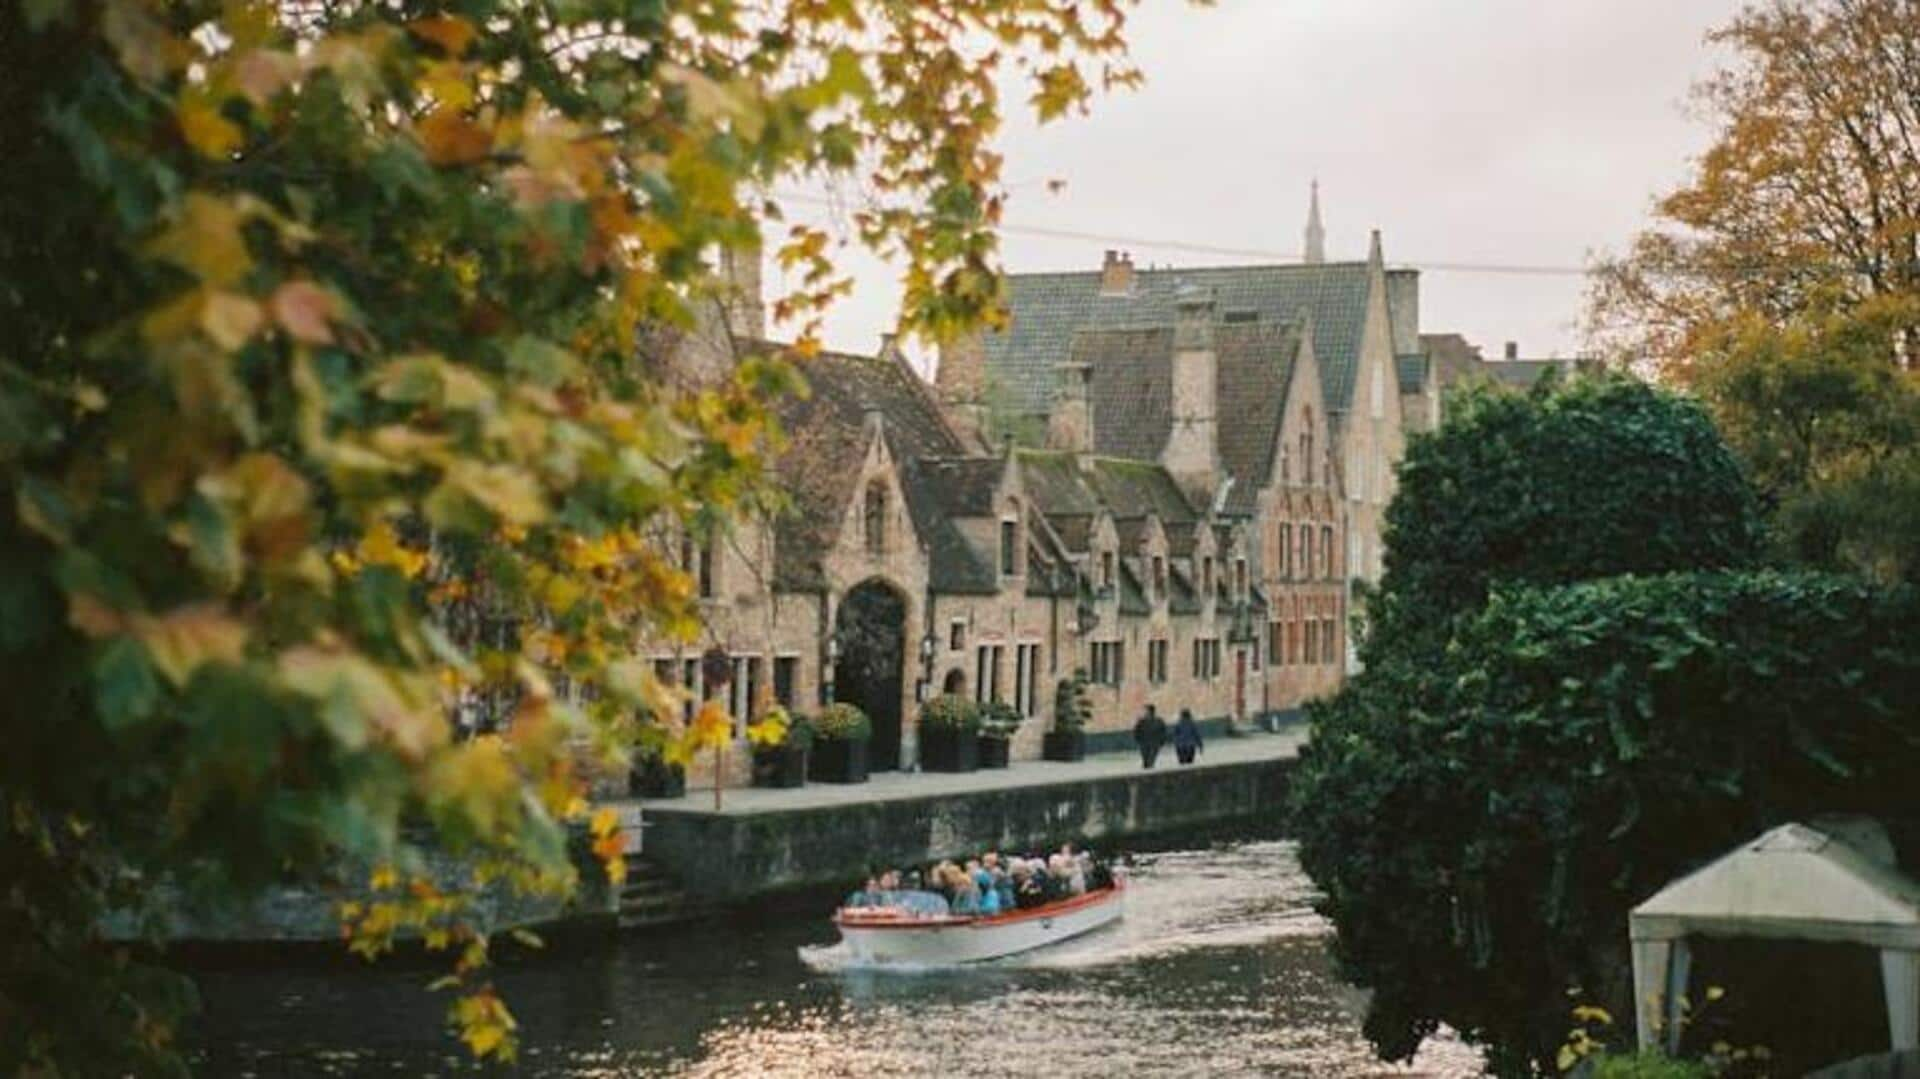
x=1149, y=733
x=1186, y=737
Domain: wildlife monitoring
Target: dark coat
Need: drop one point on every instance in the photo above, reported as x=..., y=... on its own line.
x=1186, y=733
x=1150, y=730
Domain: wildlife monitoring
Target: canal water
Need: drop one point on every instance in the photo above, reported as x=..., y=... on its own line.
x=1219, y=968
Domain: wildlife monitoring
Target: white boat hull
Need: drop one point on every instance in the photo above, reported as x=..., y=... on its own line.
x=876, y=938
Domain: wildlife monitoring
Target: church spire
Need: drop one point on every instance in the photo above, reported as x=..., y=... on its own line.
x=1316, y=234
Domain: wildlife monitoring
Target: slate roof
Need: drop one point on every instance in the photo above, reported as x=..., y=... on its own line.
x=1131, y=393
x=963, y=486
x=1522, y=374
x=827, y=440
x=1047, y=308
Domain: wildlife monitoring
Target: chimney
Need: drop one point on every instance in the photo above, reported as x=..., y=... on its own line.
x=960, y=381
x=1116, y=274
x=1513, y=350
x=1192, y=452
x=1316, y=234
x=1070, y=426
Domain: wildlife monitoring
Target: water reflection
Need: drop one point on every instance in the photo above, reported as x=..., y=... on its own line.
x=1219, y=968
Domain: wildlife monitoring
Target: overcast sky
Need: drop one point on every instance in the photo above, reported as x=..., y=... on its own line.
x=1506, y=132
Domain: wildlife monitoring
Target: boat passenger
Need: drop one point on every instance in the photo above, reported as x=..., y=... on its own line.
x=963, y=896
x=868, y=895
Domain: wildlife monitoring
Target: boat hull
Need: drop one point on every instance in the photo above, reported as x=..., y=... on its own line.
x=876, y=939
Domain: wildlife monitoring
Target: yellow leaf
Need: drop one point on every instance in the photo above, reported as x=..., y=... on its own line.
x=447, y=81
x=303, y=310
x=452, y=33
x=205, y=240
x=384, y=877
x=230, y=319
x=509, y=493
x=449, y=138
x=605, y=822
x=186, y=638
x=204, y=128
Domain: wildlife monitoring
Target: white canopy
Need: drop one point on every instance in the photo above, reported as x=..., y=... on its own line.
x=1836, y=883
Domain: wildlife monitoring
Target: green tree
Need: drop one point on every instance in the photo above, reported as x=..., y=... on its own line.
x=1481, y=824
x=1589, y=477
x=322, y=418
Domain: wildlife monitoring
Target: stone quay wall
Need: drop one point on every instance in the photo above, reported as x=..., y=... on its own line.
x=731, y=857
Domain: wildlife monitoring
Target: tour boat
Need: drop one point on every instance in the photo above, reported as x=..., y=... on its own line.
x=895, y=935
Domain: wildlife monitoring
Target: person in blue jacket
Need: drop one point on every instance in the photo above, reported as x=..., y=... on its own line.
x=1186, y=737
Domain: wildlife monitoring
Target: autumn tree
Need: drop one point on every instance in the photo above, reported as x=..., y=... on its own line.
x=1782, y=280
x=332, y=399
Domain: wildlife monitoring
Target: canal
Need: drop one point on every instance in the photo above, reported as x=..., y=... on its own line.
x=1219, y=968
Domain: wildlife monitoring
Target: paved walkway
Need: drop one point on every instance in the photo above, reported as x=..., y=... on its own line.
x=900, y=786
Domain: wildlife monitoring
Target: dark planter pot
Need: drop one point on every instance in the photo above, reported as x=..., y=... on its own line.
x=995, y=752
x=780, y=766
x=1064, y=745
x=655, y=778
x=835, y=761
x=946, y=750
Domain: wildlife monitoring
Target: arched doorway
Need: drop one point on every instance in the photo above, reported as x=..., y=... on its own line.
x=956, y=683
x=871, y=627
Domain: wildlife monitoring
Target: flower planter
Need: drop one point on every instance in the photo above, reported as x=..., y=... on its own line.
x=995, y=752
x=945, y=749
x=780, y=766
x=835, y=760
x=654, y=778
x=1064, y=745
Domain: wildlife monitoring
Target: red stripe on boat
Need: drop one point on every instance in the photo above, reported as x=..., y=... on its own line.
x=903, y=920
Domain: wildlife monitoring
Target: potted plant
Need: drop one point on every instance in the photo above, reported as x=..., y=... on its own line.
x=653, y=777
x=998, y=721
x=840, y=736
x=781, y=760
x=950, y=734
x=1072, y=707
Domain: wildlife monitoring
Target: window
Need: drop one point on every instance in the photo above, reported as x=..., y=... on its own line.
x=1157, y=661
x=1206, y=577
x=1306, y=551
x=1313, y=641
x=696, y=560
x=1109, y=662
x=1206, y=658
x=1159, y=576
x=1328, y=642
x=876, y=517
x=786, y=673
x=1240, y=578
x=743, y=692
x=690, y=682
x=1106, y=569
x=957, y=635
x=1009, y=544
x=986, y=672
x=1326, y=551
x=1293, y=642
x=1276, y=643
x=1026, y=678
x=1306, y=449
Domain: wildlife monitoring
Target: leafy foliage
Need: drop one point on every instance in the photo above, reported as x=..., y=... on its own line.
x=1000, y=720
x=1072, y=703
x=1585, y=478
x=1482, y=823
x=842, y=722
x=950, y=711
x=322, y=419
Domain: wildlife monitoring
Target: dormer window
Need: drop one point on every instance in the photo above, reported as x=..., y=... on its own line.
x=1240, y=577
x=1106, y=569
x=1009, y=542
x=875, y=517
x=1159, y=576
x=1206, y=576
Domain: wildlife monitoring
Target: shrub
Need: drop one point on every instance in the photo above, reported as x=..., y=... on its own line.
x=841, y=722
x=1072, y=705
x=950, y=712
x=1000, y=720
x=1481, y=824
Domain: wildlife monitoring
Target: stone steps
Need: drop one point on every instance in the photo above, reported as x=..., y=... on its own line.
x=650, y=896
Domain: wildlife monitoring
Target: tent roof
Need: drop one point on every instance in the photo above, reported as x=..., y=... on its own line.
x=1794, y=881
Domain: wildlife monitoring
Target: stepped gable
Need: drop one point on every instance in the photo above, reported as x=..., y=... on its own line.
x=1046, y=309
x=827, y=442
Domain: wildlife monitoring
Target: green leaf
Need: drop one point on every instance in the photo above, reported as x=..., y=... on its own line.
x=126, y=689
